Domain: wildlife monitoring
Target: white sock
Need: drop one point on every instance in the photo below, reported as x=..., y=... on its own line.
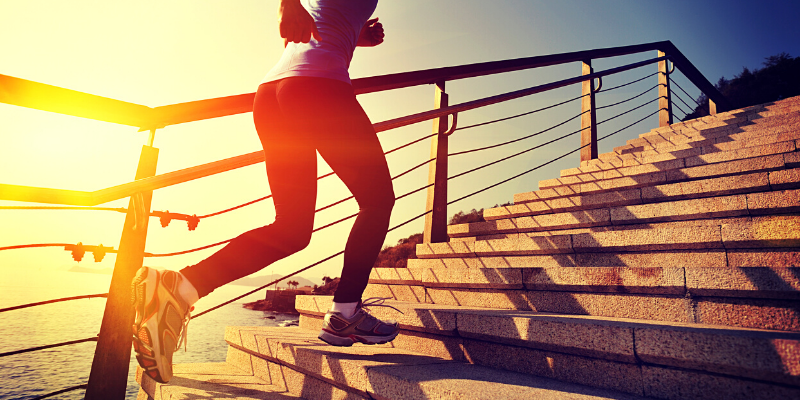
x=187, y=291
x=346, y=309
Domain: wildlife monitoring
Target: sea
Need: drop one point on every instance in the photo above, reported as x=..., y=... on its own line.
x=33, y=374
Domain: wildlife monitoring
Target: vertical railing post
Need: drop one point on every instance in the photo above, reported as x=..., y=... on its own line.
x=712, y=107
x=588, y=115
x=109, y=376
x=664, y=100
x=436, y=204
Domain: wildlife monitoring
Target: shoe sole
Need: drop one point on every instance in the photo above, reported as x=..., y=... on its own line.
x=347, y=341
x=143, y=344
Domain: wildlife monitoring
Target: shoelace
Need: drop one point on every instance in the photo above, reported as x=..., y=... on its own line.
x=185, y=329
x=377, y=302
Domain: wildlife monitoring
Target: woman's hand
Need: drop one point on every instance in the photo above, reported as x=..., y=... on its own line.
x=295, y=23
x=371, y=34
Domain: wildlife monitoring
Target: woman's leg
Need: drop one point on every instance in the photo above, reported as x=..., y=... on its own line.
x=291, y=163
x=344, y=137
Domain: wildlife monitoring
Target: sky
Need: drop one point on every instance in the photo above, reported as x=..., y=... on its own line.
x=164, y=52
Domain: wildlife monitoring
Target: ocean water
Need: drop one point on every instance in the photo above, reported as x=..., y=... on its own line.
x=28, y=375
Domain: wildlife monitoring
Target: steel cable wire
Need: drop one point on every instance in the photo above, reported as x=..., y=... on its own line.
x=49, y=346
x=69, y=389
x=675, y=105
x=547, y=163
x=546, y=143
x=516, y=140
x=520, y=115
x=687, y=94
x=681, y=99
x=88, y=296
x=626, y=84
x=625, y=101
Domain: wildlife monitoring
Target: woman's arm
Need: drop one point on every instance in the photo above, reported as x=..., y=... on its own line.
x=295, y=23
x=371, y=34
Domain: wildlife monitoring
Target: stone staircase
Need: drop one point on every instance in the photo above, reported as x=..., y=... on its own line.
x=668, y=268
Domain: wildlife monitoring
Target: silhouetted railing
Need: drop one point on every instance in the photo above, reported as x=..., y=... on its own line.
x=108, y=377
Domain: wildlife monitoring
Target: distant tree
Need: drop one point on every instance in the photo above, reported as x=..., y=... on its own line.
x=779, y=79
x=326, y=280
x=293, y=284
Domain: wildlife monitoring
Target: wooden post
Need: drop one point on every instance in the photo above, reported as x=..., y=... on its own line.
x=589, y=116
x=664, y=100
x=109, y=376
x=436, y=220
x=712, y=107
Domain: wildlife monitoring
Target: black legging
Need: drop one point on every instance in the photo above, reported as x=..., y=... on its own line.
x=295, y=118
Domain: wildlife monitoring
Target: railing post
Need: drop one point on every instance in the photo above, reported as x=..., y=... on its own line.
x=712, y=107
x=436, y=220
x=664, y=100
x=109, y=376
x=588, y=115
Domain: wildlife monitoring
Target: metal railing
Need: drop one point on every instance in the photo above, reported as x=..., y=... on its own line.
x=109, y=373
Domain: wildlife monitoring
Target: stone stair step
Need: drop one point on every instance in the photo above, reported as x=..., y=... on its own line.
x=765, y=163
x=685, y=279
x=731, y=130
x=607, y=342
x=771, y=129
x=210, y=380
x=383, y=372
x=679, y=163
x=708, y=187
x=633, y=216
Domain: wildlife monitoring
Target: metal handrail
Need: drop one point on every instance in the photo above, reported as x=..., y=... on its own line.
x=84, y=198
x=18, y=91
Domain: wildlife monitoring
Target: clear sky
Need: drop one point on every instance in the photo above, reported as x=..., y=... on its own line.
x=163, y=52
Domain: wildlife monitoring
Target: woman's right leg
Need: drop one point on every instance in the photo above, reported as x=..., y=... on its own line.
x=291, y=162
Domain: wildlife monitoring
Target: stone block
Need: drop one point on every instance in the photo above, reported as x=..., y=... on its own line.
x=545, y=194
x=501, y=278
x=567, y=180
x=644, y=169
x=485, y=298
x=667, y=280
x=446, y=249
x=785, y=179
x=747, y=152
x=783, y=201
x=635, y=306
x=588, y=371
x=773, y=231
x=465, y=381
x=654, y=259
x=530, y=245
x=792, y=159
x=482, y=228
x=764, y=258
x=708, y=187
x=677, y=384
x=574, y=219
x=624, y=183
x=408, y=276
x=409, y=293
x=781, y=315
x=756, y=354
x=648, y=240
x=713, y=207
x=557, y=333
x=766, y=163
x=761, y=282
